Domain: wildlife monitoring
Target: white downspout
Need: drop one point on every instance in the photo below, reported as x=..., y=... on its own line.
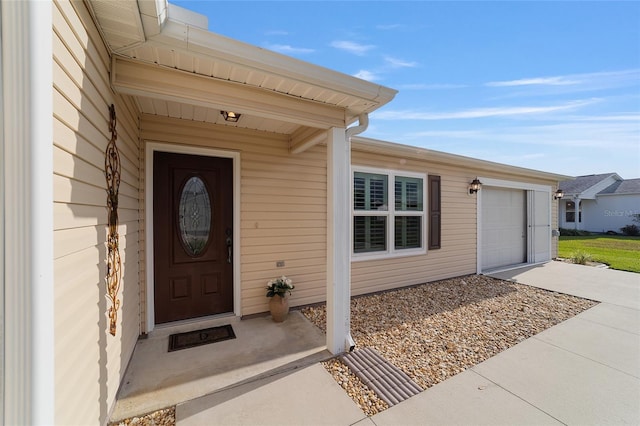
x=363, y=120
x=363, y=124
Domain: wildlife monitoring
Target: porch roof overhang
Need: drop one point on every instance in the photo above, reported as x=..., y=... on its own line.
x=165, y=58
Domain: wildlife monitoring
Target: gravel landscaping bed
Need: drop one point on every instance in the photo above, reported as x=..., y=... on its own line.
x=436, y=330
x=164, y=417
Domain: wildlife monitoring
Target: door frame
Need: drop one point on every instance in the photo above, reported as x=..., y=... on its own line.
x=500, y=183
x=150, y=148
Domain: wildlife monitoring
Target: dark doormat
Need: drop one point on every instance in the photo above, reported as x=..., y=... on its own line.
x=191, y=339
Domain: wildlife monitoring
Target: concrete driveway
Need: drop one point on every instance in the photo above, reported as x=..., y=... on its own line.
x=584, y=371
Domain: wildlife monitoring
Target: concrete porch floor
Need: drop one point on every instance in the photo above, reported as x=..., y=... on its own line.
x=262, y=348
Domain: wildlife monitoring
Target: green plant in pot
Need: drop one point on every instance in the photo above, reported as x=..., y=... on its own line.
x=277, y=290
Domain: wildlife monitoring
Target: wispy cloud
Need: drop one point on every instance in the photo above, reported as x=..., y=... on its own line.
x=387, y=27
x=277, y=33
x=399, y=63
x=367, y=75
x=616, y=135
x=288, y=49
x=575, y=82
x=483, y=112
x=352, y=47
x=546, y=81
x=442, y=86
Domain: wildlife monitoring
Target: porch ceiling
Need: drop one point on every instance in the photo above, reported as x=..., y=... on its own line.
x=175, y=39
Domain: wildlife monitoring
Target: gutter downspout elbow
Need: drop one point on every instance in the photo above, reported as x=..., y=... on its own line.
x=363, y=120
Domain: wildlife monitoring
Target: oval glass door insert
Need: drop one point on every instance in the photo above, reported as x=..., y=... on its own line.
x=194, y=216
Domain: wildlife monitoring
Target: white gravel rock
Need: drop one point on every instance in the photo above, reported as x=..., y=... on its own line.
x=436, y=330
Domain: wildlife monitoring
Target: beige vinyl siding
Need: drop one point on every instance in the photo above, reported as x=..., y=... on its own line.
x=282, y=206
x=89, y=362
x=283, y=213
x=458, y=233
x=457, y=255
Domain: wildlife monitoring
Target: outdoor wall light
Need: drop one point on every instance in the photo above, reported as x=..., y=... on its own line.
x=474, y=186
x=231, y=116
x=558, y=194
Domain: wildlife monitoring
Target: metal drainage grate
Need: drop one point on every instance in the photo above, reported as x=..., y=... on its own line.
x=390, y=383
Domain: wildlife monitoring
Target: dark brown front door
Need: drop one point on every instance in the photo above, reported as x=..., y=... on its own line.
x=192, y=232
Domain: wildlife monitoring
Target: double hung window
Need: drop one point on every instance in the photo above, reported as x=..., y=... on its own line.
x=388, y=213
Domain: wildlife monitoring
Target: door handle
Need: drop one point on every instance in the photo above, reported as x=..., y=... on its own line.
x=228, y=232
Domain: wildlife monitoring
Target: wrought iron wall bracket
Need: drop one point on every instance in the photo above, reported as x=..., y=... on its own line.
x=114, y=271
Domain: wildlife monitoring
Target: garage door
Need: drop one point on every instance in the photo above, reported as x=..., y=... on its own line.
x=503, y=227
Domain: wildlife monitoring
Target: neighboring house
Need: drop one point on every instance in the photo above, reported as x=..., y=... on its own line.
x=599, y=203
x=287, y=189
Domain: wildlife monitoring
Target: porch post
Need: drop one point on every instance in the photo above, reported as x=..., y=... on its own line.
x=26, y=201
x=338, y=240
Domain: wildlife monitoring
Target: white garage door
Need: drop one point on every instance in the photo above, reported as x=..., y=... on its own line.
x=503, y=227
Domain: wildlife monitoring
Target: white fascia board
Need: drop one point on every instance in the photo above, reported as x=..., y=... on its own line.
x=196, y=40
x=396, y=149
x=137, y=78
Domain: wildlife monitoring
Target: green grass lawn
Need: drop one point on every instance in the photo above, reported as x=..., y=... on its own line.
x=618, y=252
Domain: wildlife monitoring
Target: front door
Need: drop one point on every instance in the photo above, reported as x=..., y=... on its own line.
x=192, y=231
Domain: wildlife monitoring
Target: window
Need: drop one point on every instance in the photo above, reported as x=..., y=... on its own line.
x=388, y=222
x=570, y=213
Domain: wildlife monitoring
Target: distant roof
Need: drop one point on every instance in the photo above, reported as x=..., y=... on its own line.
x=629, y=186
x=582, y=183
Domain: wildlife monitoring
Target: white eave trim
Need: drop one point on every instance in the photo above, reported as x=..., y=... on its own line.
x=198, y=41
x=139, y=78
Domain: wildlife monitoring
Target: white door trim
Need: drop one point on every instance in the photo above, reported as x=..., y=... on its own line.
x=501, y=183
x=150, y=148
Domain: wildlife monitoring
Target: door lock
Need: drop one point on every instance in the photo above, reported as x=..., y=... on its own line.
x=229, y=242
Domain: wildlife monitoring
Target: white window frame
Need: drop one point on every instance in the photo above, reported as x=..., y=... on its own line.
x=390, y=214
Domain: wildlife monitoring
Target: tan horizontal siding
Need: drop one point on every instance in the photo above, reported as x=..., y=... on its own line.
x=456, y=257
x=285, y=219
x=89, y=362
x=282, y=210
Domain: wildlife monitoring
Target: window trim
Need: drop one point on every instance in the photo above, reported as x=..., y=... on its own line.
x=390, y=214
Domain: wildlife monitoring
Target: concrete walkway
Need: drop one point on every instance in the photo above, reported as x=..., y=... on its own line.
x=583, y=371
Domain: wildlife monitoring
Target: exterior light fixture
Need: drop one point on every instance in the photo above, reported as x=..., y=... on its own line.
x=474, y=186
x=230, y=116
x=558, y=194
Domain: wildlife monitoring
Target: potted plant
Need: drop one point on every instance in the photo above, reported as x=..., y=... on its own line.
x=277, y=290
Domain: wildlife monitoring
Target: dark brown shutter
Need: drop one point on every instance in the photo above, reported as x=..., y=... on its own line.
x=434, y=212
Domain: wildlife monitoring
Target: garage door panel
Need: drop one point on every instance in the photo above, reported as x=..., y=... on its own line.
x=503, y=227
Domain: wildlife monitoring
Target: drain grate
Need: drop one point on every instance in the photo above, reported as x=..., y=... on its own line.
x=390, y=383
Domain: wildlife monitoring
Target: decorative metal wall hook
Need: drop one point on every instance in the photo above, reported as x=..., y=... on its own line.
x=114, y=270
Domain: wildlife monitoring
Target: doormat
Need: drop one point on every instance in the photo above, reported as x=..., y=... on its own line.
x=191, y=339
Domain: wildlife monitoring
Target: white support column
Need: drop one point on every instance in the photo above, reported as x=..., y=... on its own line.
x=27, y=215
x=338, y=240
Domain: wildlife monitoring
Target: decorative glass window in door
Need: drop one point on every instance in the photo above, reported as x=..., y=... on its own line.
x=194, y=213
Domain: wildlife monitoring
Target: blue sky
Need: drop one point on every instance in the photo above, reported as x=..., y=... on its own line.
x=552, y=86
